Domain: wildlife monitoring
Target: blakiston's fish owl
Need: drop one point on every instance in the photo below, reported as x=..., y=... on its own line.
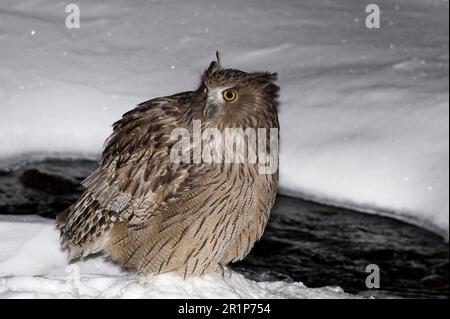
x=155, y=215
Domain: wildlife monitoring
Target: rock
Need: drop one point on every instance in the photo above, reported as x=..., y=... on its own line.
x=48, y=183
x=435, y=282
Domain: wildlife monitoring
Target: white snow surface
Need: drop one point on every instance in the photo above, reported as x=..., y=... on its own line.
x=364, y=112
x=32, y=265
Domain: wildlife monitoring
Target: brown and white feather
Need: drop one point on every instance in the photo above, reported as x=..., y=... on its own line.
x=154, y=215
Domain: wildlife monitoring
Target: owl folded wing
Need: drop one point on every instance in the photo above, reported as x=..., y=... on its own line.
x=135, y=176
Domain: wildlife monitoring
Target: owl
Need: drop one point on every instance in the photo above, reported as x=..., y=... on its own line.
x=151, y=213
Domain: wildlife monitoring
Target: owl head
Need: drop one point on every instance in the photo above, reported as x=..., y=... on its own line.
x=233, y=97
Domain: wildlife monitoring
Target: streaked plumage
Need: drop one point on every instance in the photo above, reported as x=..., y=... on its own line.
x=149, y=213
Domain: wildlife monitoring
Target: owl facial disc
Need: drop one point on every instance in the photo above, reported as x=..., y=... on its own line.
x=214, y=101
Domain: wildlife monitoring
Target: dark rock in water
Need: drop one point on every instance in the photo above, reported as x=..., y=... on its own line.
x=22, y=194
x=49, y=183
x=304, y=241
x=435, y=282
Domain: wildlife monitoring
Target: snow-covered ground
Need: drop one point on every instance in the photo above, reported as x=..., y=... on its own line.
x=364, y=113
x=33, y=266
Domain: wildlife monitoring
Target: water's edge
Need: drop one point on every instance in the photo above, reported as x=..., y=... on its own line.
x=316, y=244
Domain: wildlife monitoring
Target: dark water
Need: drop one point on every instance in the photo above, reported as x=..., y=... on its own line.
x=316, y=244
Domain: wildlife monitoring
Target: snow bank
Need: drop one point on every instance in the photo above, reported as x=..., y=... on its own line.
x=364, y=113
x=33, y=266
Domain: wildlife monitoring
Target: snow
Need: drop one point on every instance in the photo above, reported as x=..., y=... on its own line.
x=364, y=112
x=32, y=265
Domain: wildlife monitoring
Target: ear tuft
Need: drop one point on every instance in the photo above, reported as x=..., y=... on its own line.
x=273, y=76
x=218, y=58
x=213, y=67
x=269, y=76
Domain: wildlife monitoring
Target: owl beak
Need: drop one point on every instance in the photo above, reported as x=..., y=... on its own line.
x=210, y=109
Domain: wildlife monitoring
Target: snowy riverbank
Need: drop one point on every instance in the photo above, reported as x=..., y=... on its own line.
x=33, y=266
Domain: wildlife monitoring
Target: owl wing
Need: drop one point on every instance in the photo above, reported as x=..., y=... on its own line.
x=135, y=174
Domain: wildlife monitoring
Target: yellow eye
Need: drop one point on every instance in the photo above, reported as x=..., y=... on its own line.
x=229, y=95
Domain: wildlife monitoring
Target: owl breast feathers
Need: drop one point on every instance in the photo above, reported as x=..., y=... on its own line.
x=153, y=214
